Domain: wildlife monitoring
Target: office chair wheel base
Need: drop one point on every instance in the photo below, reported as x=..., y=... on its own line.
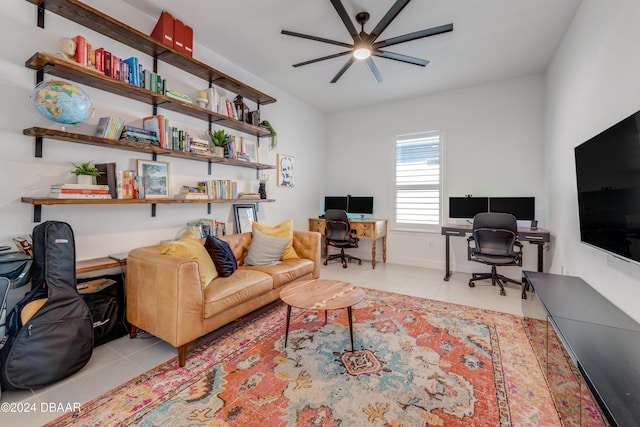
x=325, y=262
x=502, y=292
x=344, y=265
x=472, y=284
x=359, y=262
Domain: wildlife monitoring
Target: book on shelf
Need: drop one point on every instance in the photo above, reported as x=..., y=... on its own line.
x=79, y=196
x=108, y=177
x=249, y=196
x=192, y=196
x=77, y=191
x=157, y=124
x=163, y=31
x=81, y=186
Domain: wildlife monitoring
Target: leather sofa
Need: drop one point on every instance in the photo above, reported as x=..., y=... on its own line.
x=166, y=299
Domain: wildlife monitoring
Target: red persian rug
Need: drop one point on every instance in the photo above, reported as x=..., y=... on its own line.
x=417, y=362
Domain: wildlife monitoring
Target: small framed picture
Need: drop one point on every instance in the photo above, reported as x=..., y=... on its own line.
x=245, y=216
x=285, y=170
x=155, y=176
x=250, y=148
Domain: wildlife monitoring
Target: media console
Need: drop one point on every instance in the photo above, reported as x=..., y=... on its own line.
x=602, y=340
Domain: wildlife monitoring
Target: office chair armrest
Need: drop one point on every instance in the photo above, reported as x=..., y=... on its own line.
x=471, y=246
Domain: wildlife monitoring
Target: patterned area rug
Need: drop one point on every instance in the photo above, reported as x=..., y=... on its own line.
x=417, y=362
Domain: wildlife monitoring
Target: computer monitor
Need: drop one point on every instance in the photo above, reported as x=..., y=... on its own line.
x=523, y=208
x=360, y=205
x=467, y=207
x=335, y=202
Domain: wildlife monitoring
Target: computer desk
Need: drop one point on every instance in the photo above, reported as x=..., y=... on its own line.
x=536, y=236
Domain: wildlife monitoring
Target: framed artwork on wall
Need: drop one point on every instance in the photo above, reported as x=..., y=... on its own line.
x=245, y=216
x=155, y=176
x=285, y=170
x=250, y=148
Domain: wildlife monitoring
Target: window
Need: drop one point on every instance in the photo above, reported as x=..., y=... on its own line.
x=418, y=181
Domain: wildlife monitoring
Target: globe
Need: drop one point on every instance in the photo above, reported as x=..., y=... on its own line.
x=62, y=102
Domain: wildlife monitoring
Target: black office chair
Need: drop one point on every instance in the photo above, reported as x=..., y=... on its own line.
x=494, y=242
x=339, y=234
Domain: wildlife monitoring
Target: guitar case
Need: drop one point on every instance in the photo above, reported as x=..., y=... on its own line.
x=50, y=331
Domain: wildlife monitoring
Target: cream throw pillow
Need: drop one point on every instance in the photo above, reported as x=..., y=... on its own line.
x=283, y=230
x=189, y=246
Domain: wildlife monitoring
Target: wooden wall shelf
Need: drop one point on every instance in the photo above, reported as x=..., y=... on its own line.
x=86, y=16
x=70, y=70
x=38, y=202
x=60, y=135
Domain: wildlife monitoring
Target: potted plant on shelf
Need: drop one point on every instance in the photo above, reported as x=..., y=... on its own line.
x=274, y=134
x=219, y=139
x=85, y=173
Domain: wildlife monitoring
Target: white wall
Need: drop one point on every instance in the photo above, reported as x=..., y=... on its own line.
x=100, y=230
x=492, y=136
x=592, y=84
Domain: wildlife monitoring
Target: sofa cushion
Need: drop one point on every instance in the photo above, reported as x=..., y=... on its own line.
x=283, y=230
x=190, y=247
x=285, y=271
x=222, y=256
x=241, y=286
x=264, y=249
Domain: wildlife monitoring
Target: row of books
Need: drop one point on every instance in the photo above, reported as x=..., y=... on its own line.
x=173, y=138
x=217, y=189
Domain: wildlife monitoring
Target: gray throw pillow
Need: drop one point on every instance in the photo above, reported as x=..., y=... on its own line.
x=265, y=250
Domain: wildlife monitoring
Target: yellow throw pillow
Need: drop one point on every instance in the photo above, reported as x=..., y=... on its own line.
x=190, y=246
x=283, y=231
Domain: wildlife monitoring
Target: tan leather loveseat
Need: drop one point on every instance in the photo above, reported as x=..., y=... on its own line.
x=166, y=299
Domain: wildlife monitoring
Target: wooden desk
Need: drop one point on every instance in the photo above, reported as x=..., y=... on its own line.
x=538, y=237
x=370, y=229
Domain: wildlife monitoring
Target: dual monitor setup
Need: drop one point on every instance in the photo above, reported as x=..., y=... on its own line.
x=356, y=206
x=523, y=208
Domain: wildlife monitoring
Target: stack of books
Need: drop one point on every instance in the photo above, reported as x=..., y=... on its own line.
x=137, y=134
x=200, y=146
x=79, y=191
x=192, y=193
x=110, y=127
x=249, y=196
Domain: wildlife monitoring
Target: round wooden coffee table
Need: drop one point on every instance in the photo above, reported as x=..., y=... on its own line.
x=321, y=294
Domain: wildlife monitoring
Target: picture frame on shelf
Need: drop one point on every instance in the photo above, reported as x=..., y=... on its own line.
x=155, y=176
x=250, y=148
x=245, y=216
x=285, y=170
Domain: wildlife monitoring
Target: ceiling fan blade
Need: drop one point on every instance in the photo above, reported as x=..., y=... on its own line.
x=335, y=55
x=318, y=39
x=343, y=69
x=401, y=58
x=374, y=70
x=413, y=36
x=342, y=12
x=386, y=19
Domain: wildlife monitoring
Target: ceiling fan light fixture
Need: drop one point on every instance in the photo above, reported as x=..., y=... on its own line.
x=361, y=53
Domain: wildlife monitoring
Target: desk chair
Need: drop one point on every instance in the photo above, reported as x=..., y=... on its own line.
x=339, y=234
x=494, y=243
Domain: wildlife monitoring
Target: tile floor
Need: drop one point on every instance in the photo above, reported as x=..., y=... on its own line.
x=118, y=361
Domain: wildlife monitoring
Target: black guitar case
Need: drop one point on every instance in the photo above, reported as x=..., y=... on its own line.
x=50, y=331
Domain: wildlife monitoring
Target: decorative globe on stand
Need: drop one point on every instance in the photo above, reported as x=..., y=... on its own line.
x=62, y=102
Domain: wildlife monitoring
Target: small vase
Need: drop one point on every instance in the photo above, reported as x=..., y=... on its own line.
x=262, y=190
x=85, y=180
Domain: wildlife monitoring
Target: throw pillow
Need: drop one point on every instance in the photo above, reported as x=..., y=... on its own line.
x=284, y=231
x=264, y=249
x=222, y=256
x=189, y=246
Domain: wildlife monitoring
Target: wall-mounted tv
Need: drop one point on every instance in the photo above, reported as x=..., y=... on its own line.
x=608, y=179
x=467, y=207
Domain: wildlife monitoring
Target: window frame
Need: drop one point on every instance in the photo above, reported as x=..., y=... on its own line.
x=410, y=227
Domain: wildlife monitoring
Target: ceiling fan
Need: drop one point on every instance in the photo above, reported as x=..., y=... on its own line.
x=365, y=45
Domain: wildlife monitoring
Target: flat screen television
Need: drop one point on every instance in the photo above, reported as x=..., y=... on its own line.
x=467, y=207
x=608, y=180
x=335, y=202
x=523, y=208
x=360, y=205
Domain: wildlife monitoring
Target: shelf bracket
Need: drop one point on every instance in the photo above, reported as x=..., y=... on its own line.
x=154, y=156
x=37, y=213
x=208, y=208
x=153, y=210
x=41, y=14
x=210, y=168
x=38, y=147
